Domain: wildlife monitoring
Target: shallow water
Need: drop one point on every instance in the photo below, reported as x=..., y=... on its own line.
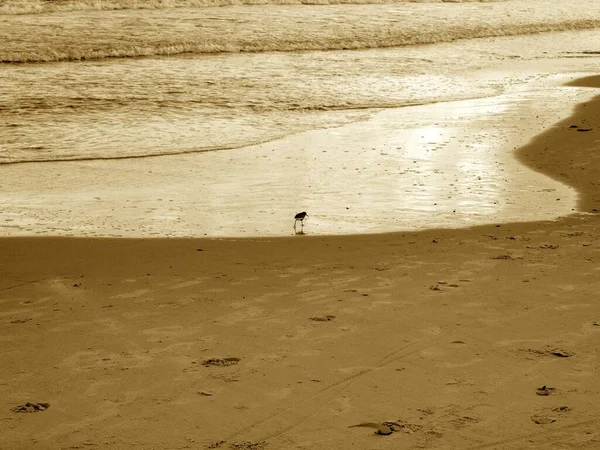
x=121, y=107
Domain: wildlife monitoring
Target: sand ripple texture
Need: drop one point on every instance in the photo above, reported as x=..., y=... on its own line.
x=236, y=75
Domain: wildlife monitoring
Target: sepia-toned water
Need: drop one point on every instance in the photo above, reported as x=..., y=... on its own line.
x=86, y=81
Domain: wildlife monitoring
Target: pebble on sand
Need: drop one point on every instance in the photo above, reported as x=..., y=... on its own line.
x=384, y=430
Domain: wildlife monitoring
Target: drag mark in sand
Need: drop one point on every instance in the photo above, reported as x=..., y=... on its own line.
x=394, y=356
x=25, y=283
x=531, y=436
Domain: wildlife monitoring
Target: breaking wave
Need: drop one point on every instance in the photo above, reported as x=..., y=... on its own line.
x=239, y=75
x=45, y=6
x=153, y=44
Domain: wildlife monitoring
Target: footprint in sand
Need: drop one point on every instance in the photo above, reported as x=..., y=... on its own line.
x=543, y=420
x=248, y=445
x=561, y=353
x=21, y=320
x=388, y=427
x=221, y=362
x=507, y=257
x=544, y=390
x=31, y=407
x=327, y=318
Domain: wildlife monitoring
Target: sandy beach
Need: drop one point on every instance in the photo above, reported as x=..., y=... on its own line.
x=471, y=338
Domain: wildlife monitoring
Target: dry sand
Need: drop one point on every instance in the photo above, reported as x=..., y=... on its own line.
x=448, y=334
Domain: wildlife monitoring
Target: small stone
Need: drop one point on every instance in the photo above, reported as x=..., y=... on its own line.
x=384, y=430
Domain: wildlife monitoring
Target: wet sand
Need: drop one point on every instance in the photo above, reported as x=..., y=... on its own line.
x=449, y=335
x=442, y=165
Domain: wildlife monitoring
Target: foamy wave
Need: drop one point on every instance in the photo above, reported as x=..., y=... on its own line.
x=382, y=38
x=6, y=160
x=8, y=7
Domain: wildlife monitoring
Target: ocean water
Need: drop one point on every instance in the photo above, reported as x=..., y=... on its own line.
x=225, y=118
x=83, y=80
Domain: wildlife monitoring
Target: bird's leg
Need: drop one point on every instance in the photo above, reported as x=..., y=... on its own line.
x=295, y=225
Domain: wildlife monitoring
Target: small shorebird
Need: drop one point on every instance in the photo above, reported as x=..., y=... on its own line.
x=300, y=217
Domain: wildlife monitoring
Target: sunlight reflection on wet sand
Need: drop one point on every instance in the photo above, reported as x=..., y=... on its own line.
x=441, y=165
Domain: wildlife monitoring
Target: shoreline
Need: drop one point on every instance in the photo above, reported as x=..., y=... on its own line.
x=412, y=172
x=447, y=335
x=382, y=30
x=545, y=149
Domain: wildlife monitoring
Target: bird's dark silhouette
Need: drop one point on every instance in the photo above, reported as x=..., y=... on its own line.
x=300, y=217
